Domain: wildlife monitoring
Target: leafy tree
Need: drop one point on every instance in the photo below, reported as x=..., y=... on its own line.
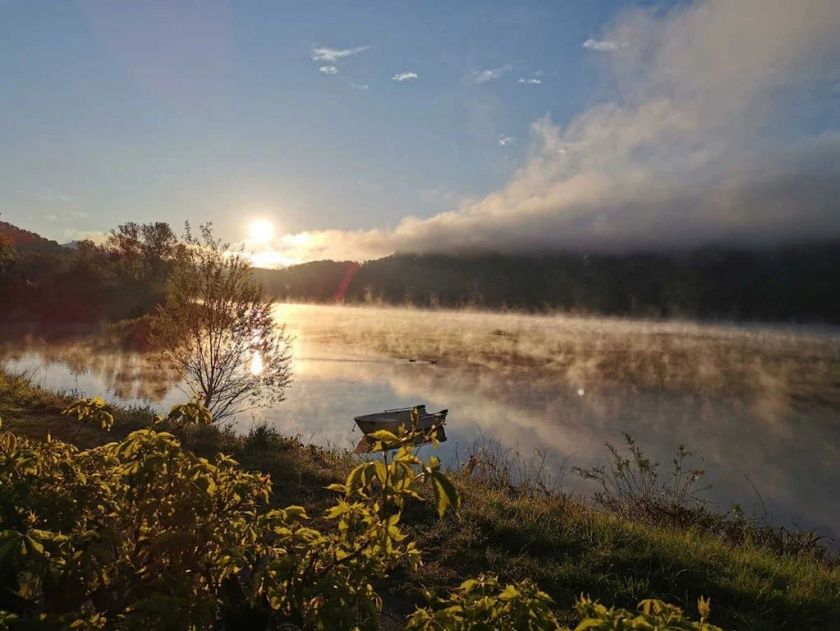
x=217, y=330
x=143, y=252
x=5, y=253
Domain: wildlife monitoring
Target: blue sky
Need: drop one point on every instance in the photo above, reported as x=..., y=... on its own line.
x=104, y=118
x=292, y=112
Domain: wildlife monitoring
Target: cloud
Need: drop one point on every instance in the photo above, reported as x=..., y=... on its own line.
x=714, y=130
x=332, y=55
x=491, y=74
x=330, y=70
x=504, y=141
x=529, y=81
x=360, y=86
x=404, y=76
x=601, y=45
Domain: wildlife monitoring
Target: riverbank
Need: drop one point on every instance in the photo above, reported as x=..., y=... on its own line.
x=563, y=543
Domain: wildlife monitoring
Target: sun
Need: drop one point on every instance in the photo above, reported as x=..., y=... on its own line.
x=260, y=231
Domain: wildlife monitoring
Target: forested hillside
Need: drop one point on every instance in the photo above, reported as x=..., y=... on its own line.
x=41, y=281
x=792, y=283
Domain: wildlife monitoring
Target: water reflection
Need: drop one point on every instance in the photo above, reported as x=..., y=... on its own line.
x=789, y=451
x=130, y=377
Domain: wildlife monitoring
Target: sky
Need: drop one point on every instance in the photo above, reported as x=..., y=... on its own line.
x=310, y=130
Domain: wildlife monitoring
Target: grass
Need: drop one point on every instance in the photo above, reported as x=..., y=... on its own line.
x=570, y=549
x=563, y=543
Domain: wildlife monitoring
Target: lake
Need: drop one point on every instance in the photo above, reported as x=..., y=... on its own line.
x=759, y=406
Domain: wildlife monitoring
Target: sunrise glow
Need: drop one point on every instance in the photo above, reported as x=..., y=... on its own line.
x=260, y=231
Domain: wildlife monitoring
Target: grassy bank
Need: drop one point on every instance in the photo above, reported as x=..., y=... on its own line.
x=565, y=545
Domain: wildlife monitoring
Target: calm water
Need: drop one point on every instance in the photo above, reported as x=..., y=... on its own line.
x=788, y=448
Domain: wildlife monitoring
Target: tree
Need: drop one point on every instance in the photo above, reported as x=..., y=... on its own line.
x=5, y=253
x=142, y=252
x=216, y=329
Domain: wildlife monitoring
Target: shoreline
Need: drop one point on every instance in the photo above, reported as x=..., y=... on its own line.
x=565, y=545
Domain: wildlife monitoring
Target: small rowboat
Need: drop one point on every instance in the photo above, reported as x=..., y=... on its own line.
x=392, y=419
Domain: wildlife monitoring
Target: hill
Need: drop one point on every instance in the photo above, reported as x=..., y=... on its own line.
x=26, y=242
x=793, y=283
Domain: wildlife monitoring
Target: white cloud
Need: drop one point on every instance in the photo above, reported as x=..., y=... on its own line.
x=360, y=86
x=483, y=76
x=330, y=70
x=332, y=55
x=601, y=45
x=695, y=146
x=530, y=81
x=404, y=76
x=504, y=141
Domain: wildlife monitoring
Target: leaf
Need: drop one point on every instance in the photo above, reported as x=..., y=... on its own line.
x=8, y=442
x=296, y=512
x=383, y=435
x=509, y=593
x=445, y=494
x=381, y=472
x=33, y=546
x=338, y=510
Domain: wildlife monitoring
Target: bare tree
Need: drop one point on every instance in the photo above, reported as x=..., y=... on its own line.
x=217, y=331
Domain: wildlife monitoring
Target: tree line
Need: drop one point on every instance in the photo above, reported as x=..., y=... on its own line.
x=44, y=284
x=793, y=283
x=126, y=276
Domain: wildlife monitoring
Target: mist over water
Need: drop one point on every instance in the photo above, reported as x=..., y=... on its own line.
x=757, y=405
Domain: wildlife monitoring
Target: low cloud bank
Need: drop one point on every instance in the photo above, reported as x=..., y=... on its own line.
x=722, y=128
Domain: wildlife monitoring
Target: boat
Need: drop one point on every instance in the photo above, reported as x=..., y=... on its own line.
x=393, y=419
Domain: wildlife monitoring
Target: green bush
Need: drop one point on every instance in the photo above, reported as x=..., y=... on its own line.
x=142, y=534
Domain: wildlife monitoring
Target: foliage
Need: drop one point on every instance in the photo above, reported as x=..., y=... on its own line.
x=481, y=603
x=556, y=540
x=631, y=486
x=55, y=287
x=5, y=253
x=186, y=414
x=654, y=615
x=145, y=252
x=93, y=410
x=142, y=533
x=217, y=331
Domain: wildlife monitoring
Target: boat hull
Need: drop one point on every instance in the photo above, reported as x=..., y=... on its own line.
x=393, y=420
